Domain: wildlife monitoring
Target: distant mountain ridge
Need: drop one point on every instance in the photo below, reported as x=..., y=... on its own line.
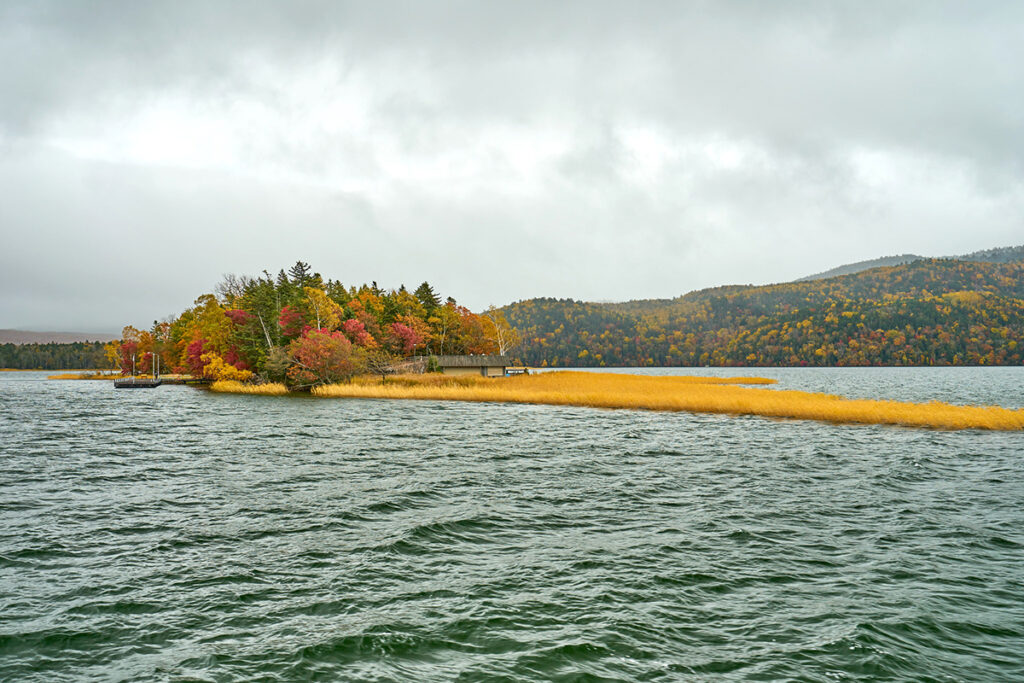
x=996, y=255
x=28, y=337
x=861, y=266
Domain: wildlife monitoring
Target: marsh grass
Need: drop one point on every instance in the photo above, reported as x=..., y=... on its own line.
x=110, y=375
x=690, y=394
x=233, y=387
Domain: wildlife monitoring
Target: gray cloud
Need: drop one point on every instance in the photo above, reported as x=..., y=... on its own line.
x=592, y=150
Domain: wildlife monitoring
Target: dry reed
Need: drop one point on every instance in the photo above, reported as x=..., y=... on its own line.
x=232, y=387
x=84, y=375
x=690, y=394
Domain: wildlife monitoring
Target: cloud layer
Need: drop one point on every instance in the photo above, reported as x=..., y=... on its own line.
x=500, y=151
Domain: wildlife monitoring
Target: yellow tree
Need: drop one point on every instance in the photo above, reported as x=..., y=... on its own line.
x=217, y=368
x=444, y=324
x=210, y=323
x=112, y=351
x=327, y=313
x=204, y=328
x=504, y=335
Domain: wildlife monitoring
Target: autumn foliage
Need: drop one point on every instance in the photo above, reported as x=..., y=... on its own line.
x=934, y=312
x=321, y=357
x=298, y=328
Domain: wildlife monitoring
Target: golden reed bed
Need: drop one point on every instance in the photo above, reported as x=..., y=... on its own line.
x=233, y=387
x=641, y=392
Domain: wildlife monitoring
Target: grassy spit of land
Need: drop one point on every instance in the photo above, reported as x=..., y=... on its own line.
x=109, y=375
x=644, y=392
x=67, y=374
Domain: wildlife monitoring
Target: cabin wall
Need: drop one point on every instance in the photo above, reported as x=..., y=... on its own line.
x=478, y=370
x=461, y=372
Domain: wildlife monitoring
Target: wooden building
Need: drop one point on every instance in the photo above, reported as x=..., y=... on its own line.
x=485, y=366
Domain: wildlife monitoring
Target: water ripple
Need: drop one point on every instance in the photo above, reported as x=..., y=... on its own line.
x=175, y=535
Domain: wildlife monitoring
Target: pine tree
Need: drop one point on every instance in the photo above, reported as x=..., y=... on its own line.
x=427, y=296
x=300, y=274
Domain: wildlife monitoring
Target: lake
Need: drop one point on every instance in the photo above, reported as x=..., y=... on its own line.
x=176, y=534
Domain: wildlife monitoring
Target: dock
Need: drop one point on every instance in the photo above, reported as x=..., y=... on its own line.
x=137, y=383
x=154, y=382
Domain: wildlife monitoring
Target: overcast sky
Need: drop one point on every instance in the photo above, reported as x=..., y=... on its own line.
x=501, y=151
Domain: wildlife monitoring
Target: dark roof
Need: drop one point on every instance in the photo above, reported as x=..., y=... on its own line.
x=472, y=361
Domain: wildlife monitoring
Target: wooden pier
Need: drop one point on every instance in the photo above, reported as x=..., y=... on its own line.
x=153, y=382
x=137, y=383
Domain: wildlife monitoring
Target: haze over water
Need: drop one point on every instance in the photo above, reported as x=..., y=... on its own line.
x=177, y=534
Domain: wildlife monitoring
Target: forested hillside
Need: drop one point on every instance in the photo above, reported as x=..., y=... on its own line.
x=929, y=312
x=53, y=356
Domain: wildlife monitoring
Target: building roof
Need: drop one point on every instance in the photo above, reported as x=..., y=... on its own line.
x=472, y=361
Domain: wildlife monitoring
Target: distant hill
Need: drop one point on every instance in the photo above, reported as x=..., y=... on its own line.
x=860, y=266
x=26, y=337
x=997, y=255
x=926, y=312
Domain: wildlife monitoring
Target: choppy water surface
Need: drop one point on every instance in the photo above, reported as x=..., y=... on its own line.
x=174, y=534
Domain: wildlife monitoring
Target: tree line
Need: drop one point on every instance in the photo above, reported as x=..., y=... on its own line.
x=53, y=356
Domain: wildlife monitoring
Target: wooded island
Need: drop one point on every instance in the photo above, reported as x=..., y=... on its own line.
x=297, y=328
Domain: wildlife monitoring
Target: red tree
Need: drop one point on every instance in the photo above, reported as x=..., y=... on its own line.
x=291, y=321
x=128, y=350
x=321, y=357
x=238, y=316
x=403, y=338
x=194, y=359
x=356, y=332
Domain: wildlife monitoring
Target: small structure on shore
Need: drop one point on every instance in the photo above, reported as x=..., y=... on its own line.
x=138, y=383
x=483, y=365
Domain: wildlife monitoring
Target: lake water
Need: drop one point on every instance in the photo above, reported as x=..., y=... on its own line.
x=174, y=534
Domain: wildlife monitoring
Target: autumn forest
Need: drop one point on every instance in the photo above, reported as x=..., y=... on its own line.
x=929, y=312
